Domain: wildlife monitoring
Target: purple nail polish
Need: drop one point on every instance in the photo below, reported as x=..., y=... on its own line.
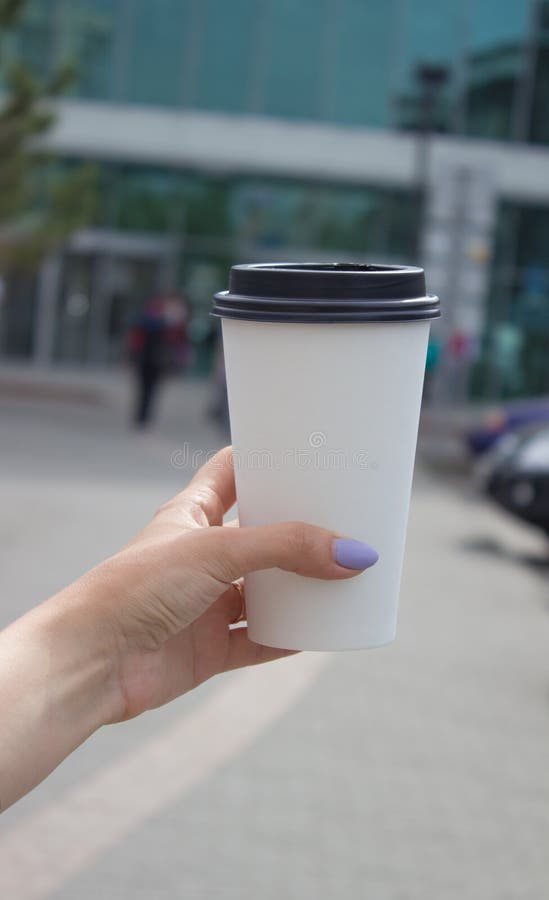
x=354, y=554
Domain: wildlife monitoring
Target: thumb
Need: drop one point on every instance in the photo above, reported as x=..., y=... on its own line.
x=293, y=546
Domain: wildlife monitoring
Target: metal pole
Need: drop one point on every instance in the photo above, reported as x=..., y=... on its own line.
x=431, y=79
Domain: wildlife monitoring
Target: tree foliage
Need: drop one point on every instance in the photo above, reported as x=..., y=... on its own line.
x=41, y=201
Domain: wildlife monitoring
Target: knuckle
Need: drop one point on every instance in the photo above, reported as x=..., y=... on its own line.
x=214, y=552
x=195, y=511
x=181, y=510
x=211, y=502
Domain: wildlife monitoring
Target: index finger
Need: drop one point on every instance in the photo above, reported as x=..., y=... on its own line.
x=213, y=487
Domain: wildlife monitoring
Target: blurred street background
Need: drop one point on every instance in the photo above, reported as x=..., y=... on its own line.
x=145, y=148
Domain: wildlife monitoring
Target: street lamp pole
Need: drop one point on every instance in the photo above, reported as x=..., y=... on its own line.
x=431, y=79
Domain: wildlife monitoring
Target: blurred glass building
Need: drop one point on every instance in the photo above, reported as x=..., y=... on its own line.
x=409, y=130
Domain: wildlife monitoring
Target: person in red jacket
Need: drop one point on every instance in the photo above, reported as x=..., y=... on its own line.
x=158, y=346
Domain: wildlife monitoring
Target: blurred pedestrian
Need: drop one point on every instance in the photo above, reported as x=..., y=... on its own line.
x=159, y=346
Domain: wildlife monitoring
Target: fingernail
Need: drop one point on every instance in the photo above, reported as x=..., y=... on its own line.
x=354, y=554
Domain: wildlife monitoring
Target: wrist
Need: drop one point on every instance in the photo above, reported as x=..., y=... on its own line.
x=57, y=677
x=83, y=646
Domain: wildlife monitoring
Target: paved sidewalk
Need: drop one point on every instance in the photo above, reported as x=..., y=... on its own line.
x=416, y=772
x=106, y=395
x=440, y=436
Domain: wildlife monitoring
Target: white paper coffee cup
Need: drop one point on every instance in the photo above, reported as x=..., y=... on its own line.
x=325, y=370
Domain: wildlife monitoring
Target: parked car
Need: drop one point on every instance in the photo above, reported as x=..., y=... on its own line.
x=518, y=476
x=500, y=421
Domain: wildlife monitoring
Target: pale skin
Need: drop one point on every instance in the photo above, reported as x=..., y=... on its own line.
x=145, y=626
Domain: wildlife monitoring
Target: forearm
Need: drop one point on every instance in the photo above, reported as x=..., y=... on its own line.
x=56, y=689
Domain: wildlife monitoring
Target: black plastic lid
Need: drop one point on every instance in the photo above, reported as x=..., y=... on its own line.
x=333, y=292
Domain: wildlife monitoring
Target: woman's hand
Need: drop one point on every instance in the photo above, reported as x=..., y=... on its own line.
x=175, y=590
x=146, y=625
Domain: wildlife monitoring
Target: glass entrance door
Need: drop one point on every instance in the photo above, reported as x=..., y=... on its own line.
x=102, y=292
x=74, y=309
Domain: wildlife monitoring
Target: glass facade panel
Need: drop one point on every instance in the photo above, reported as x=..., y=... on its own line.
x=491, y=93
x=344, y=61
x=515, y=356
x=74, y=314
x=34, y=40
x=101, y=295
x=293, y=57
x=86, y=35
x=361, y=54
x=497, y=22
x=17, y=314
x=224, y=70
x=540, y=117
x=266, y=212
x=146, y=200
x=344, y=220
x=429, y=64
x=153, y=39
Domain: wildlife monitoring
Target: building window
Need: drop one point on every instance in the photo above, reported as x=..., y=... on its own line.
x=515, y=350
